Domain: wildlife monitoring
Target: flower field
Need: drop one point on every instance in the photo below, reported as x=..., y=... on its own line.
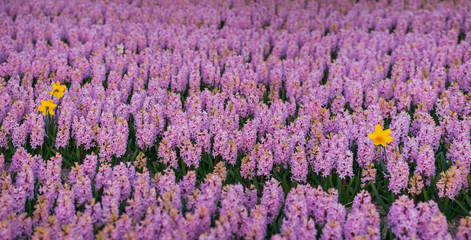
x=235, y=119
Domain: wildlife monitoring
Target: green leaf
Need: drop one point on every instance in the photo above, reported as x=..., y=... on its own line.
x=468, y=200
x=379, y=198
x=461, y=206
x=284, y=183
x=425, y=194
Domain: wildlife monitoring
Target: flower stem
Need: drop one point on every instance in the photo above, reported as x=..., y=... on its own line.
x=385, y=155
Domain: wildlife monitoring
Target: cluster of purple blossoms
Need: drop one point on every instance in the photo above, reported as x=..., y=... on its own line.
x=234, y=119
x=423, y=221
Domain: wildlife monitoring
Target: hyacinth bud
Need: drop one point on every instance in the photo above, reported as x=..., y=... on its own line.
x=450, y=183
x=416, y=184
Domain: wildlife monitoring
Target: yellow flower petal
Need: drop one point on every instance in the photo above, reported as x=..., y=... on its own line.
x=388, y=139
x=42, y=109
x=59, y=94
x=387, y=131
x=372, y=136
x=378, y=128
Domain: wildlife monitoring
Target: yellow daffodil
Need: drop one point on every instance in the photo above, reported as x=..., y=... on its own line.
x=380, y=136
x=47, y=107
x=57, y=90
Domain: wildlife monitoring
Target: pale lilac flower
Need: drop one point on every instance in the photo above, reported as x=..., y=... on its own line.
x=464, y=230
x=272, y=199
x=299, y=166
x=403, y=218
